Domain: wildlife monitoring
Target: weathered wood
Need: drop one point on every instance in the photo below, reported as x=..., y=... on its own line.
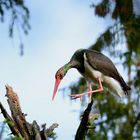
x=82, y=129
x=16, y=113
x=36, y=131
x=20, y=127
x=43, y=132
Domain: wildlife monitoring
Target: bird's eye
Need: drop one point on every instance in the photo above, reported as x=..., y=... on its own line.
x=59, y=76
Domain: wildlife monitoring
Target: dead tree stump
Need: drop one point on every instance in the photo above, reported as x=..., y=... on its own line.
x=19, y=126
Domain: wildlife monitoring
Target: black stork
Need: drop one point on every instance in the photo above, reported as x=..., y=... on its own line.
x=94, y=66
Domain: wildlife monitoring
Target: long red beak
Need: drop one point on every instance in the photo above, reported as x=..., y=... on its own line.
x=57, y=82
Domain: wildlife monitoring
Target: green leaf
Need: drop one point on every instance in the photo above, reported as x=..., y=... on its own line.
x=7, y=121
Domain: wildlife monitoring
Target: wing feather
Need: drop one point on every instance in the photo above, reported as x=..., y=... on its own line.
x=103, y=64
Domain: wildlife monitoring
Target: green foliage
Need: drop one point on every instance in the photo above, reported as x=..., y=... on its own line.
x=91, y=125
x=17, y=138
x=7, y=121
x=52, y=135
x=102, y=9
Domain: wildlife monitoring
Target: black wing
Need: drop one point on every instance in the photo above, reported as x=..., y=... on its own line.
x=103, y=64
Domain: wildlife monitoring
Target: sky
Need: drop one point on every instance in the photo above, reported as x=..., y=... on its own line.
x=58, y=29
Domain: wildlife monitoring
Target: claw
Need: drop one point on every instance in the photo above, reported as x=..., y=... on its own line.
x=75, y=96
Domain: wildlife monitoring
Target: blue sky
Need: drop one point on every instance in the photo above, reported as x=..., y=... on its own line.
x=58, y=29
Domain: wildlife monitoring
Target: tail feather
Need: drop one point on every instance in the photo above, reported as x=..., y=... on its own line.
x=125, y=87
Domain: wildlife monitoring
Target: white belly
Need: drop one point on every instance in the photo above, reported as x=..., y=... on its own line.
x=90, y=73
x=113, y=85
x=93, y=75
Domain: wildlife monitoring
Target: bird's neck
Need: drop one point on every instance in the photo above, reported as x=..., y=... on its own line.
x=74, y=64
x=66, y=67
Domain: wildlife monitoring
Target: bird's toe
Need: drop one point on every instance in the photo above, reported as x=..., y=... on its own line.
x=75, y=96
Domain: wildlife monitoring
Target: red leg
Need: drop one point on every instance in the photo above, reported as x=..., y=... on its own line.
x=90, y=90
x=74, y=96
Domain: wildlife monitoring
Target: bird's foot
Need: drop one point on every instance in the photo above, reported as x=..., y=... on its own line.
x=90, y=92
x=75, y=96
x=90, y=97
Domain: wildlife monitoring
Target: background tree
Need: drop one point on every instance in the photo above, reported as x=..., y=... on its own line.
x=120, y=119
x=18, y=16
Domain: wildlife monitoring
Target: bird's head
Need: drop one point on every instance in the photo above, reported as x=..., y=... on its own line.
x=59, y=76
x=73, y=63
x=60, y=73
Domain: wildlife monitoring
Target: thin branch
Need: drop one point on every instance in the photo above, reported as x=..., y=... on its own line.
x=81, y=131
x=137, y=119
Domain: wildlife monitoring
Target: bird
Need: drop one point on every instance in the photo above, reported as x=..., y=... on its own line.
x=94, y=67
